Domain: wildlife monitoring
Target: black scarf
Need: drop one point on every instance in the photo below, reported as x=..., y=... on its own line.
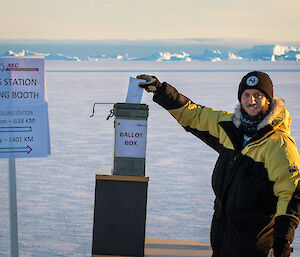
x=249, y=123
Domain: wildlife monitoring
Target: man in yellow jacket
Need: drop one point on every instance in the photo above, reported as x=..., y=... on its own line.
x=255, y=179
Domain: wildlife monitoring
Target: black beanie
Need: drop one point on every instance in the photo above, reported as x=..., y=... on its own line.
x=256, y=80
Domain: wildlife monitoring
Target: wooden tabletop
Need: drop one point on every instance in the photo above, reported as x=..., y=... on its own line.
x=169, y=248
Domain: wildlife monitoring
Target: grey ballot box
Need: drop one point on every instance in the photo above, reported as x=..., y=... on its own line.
x=130, y=139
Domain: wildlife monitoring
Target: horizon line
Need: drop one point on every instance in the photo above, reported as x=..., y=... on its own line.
x=173, y=70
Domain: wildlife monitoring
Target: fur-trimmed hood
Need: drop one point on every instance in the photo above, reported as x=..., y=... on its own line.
x=278, y=117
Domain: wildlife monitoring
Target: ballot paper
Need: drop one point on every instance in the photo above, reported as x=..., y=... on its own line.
x=134, y=93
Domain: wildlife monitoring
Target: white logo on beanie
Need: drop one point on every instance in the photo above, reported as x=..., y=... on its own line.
x=252, y=81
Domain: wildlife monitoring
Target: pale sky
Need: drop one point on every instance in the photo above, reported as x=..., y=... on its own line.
x=275, y=20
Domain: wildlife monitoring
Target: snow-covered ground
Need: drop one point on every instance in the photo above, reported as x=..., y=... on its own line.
x=56, y=194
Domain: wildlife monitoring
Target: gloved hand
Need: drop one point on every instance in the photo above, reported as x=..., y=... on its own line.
x=281, y=247
x=151, y=84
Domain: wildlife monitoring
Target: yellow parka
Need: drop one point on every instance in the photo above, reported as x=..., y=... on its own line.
x=256, y=185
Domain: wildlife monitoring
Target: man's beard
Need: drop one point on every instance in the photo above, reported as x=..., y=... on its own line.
x=250, y=123
x=263, y=110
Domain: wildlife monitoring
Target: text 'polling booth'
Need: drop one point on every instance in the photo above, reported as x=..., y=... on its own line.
x=121, y=198
x=24, y=125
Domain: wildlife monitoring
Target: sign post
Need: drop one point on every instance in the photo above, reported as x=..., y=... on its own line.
x=24, y=125
x=13, y=216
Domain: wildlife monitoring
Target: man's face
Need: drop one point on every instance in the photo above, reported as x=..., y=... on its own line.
x=254, y=102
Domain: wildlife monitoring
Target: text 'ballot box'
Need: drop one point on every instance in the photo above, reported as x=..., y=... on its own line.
x=130, y=139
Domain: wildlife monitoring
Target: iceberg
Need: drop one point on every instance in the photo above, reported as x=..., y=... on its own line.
x=8, y=53
x=166, y=56
x=22, y=53
x=209, y=55
x=270, y=53
x=232, y=56
x=61, y=57
x=47, y=56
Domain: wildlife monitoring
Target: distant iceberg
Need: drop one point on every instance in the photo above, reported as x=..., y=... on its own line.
x=166, y=56
x=47, y=56
x=232, y=56
x=61, y=57
x=22, y=53
x=152, y=57
x=270, y=53
x=96, y=57
x=256, y=53
x=8, y=53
